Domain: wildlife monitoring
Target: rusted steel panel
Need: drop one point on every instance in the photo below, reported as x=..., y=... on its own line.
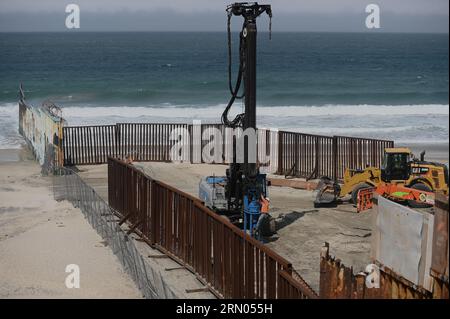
x=338, y=281
x=305, y=155
x=359, y=286
x=325, y=280
x=439, y=261
x=288, y=288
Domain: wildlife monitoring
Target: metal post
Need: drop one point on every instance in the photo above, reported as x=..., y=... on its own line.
x=249, y=34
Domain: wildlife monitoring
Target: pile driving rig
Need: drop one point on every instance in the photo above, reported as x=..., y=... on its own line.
x=237, y=195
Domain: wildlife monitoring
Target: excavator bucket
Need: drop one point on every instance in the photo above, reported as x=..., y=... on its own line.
x=327, y=193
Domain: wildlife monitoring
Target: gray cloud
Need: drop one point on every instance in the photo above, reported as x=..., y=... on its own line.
x=209, y=15
x=411, y=7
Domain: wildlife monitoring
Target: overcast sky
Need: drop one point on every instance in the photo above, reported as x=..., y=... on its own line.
x=208, y=15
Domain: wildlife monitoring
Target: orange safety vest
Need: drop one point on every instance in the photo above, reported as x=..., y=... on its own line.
x=264, y=206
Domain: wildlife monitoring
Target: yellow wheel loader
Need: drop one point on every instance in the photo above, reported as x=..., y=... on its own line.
x=399, y=167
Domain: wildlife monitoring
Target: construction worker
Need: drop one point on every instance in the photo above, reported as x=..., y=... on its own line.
x=264, y=202
x=264, y=209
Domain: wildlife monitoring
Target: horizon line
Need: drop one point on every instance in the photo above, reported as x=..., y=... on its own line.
x=202, y=31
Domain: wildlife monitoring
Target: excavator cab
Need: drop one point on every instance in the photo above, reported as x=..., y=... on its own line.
x=396, y=164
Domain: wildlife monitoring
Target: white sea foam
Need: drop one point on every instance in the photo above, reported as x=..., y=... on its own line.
x=425, y=123
x=9, y=123
x=278, y=111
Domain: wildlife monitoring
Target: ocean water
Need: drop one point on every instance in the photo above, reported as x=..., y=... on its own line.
x=373, y=85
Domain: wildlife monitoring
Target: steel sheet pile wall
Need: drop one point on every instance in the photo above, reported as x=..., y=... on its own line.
x=231, y=263
x=43, y=132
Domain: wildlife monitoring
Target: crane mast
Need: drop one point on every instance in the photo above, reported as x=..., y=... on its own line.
x=243, y=183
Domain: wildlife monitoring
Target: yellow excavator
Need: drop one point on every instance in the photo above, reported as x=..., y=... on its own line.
x=399, y=167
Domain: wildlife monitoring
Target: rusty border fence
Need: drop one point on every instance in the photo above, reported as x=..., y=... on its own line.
x=313, y=156
x=229, y=262
x=284, y=153
x=143, y=141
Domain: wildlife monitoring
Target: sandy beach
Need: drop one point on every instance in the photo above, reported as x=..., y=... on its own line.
x=39, y=237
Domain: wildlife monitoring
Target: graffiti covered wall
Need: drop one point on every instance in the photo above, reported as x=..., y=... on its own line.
x=41, y=127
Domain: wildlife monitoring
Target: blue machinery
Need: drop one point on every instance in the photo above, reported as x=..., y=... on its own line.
x=251, y=212
x=212, y=192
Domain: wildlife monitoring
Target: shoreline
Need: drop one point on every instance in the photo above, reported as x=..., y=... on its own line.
x=11, y=155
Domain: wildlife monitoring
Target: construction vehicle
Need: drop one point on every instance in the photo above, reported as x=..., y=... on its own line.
x=237, y=195
x=398, y=193
x=399, y=168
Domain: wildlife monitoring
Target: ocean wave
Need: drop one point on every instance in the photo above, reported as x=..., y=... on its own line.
x=425, y=123
x=9, y=122
x=366, y=130
x=183, y=111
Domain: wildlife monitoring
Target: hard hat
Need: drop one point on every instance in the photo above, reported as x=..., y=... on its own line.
x=268, y=199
